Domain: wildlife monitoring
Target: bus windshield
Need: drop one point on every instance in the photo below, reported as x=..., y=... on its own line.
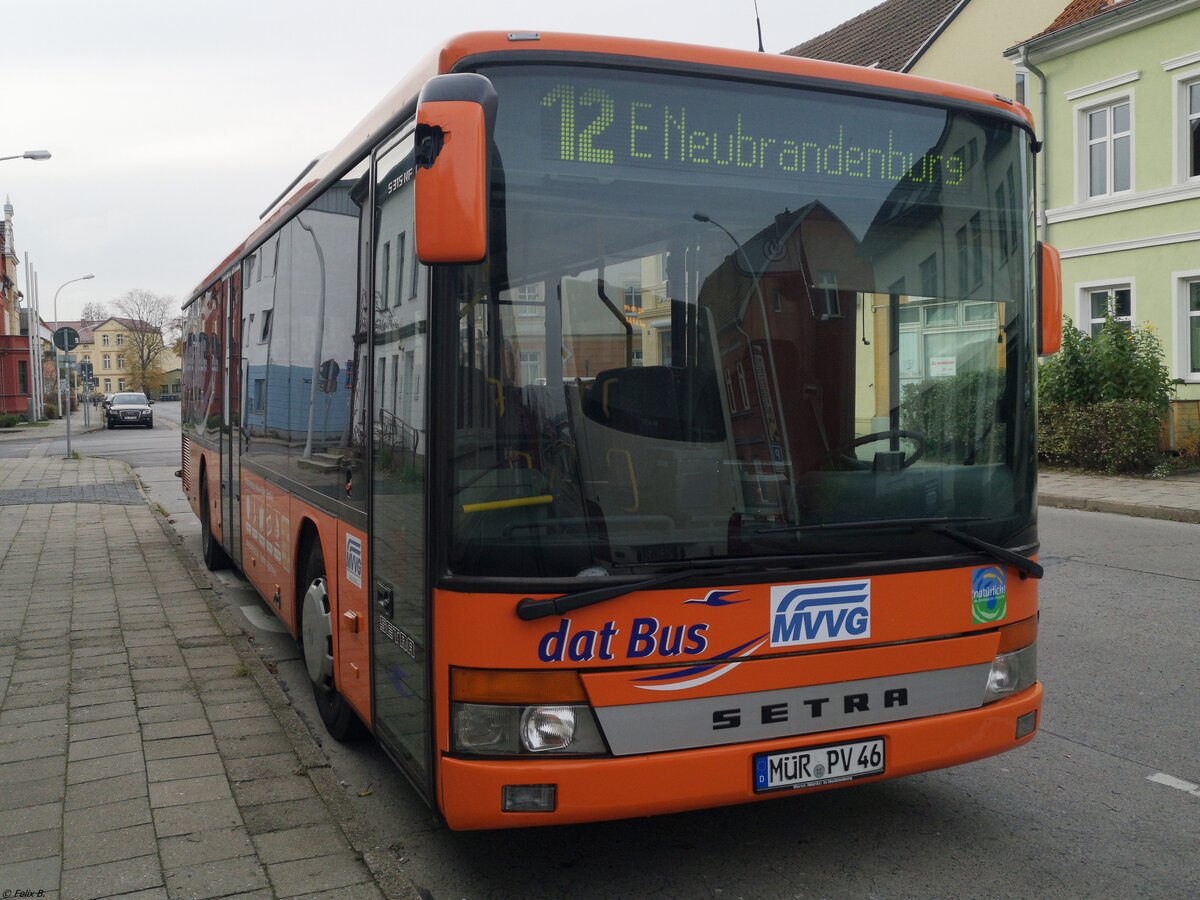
x=718, y=317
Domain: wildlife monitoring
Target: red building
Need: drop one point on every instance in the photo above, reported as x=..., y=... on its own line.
x=16, y=376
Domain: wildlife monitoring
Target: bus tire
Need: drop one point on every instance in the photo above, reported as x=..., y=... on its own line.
x=316, y=632
x=211, y=549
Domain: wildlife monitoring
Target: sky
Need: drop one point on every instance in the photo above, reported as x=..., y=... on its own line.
x=173, y=124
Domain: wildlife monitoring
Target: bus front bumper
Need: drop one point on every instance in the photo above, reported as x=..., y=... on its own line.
x=588, y=790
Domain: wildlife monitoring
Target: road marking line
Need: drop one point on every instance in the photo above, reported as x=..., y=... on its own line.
x=1171, y=781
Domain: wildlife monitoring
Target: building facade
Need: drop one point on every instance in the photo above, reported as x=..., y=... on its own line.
x=1116, y=86
x=16, y=371
x=951, y=40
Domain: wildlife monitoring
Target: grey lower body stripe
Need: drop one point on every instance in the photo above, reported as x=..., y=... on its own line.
x=764, y=715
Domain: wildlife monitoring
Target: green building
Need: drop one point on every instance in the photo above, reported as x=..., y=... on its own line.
x=1115, y=87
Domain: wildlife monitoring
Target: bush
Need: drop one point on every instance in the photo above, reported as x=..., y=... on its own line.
x=956, y=415
x=1110, y=436
x=1118, y=364
x=1102, y=400
x=9, y=420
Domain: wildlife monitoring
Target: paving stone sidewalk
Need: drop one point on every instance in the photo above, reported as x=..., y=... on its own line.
x=144, y=749
x=1176, y=498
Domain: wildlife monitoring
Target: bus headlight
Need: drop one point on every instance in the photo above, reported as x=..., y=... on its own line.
x=516, y=730
x=1011, y=673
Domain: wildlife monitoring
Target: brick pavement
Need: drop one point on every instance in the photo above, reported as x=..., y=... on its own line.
x=143, y=752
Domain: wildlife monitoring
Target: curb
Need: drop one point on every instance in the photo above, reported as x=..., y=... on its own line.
x=371, y=850
x=1117, y=507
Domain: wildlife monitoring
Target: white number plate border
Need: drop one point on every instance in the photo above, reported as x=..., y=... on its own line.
x=813, y=765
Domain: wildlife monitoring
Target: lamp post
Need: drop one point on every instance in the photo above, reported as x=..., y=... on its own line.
x=29, y=154
x=57, y=371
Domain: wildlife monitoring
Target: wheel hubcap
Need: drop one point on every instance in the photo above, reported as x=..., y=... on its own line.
x=318, y=634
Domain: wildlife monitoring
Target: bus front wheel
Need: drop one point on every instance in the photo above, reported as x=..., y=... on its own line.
x=316, y=629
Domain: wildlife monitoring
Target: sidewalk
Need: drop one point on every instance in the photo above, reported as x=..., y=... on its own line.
x=145, y=750
x=1176, y=498
x=56, y=429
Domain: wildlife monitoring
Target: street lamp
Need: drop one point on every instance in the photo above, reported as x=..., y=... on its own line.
x=29, y=154
x=57, y=373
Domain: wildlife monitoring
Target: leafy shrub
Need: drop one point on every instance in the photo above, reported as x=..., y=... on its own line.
x=956, y=415
x=1102, y=399
x=1118, y=364
x=8, y=420
x=1110, y=436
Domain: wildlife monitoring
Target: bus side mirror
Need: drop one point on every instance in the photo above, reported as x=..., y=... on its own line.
x=1049, y=300
x=454, y=122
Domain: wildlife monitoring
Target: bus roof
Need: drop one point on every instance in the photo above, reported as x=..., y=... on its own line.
x=456, y=51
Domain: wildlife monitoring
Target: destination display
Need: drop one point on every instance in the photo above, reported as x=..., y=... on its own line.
x=589, y=126
x=600, y=124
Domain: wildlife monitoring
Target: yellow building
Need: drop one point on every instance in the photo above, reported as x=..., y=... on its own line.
x=125, y=354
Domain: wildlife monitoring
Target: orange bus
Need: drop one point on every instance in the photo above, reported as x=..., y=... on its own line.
x=626, y=427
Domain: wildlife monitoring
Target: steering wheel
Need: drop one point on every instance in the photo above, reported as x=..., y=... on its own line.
x=846, y=454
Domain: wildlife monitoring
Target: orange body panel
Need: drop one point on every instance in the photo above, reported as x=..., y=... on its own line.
x=910, y=631
x=483, y=631
x=591, y=790
x=351, y=637
x=451, y=213
x=268, y=539
x=1050, y=326
x=482, y=42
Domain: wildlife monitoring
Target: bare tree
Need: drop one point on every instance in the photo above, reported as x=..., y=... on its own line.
x=93, y=312
x=147, y=316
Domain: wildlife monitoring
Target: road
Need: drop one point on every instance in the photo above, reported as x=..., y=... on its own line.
x=1103, y=803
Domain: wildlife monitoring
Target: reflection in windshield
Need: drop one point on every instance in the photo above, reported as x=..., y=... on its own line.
x=670, y=362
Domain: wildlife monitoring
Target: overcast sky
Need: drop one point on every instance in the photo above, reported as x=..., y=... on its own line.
x=172, y=124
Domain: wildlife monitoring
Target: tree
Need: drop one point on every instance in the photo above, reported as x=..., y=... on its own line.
x=147, y=316
x=93, y=312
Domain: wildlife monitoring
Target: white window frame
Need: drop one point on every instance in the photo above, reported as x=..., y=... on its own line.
x=1083, y=149
x=1083, y=300
x=1180, y=84
x=1182, y=282
x=527, y=301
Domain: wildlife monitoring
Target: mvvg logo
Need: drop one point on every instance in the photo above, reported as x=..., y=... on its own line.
x=820, y=613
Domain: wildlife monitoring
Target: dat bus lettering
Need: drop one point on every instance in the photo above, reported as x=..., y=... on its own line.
x=647, y=637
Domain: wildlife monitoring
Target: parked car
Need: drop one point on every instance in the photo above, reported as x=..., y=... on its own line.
x=130, y=408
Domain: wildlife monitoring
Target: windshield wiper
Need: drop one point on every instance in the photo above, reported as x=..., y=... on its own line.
x=938, y=524
x=529, y=608
x=995, y=551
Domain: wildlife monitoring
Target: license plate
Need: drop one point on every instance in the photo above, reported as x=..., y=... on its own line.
x=815, y=766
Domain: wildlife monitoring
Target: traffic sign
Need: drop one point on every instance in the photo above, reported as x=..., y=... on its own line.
x=66, y=338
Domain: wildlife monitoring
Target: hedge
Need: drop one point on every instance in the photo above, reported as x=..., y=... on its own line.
x=1109, y=436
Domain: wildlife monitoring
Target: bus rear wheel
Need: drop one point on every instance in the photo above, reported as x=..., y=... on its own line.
x=316, y=630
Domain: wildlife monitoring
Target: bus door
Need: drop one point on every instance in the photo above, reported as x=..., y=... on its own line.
x=231, y=421
x=400, y=634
